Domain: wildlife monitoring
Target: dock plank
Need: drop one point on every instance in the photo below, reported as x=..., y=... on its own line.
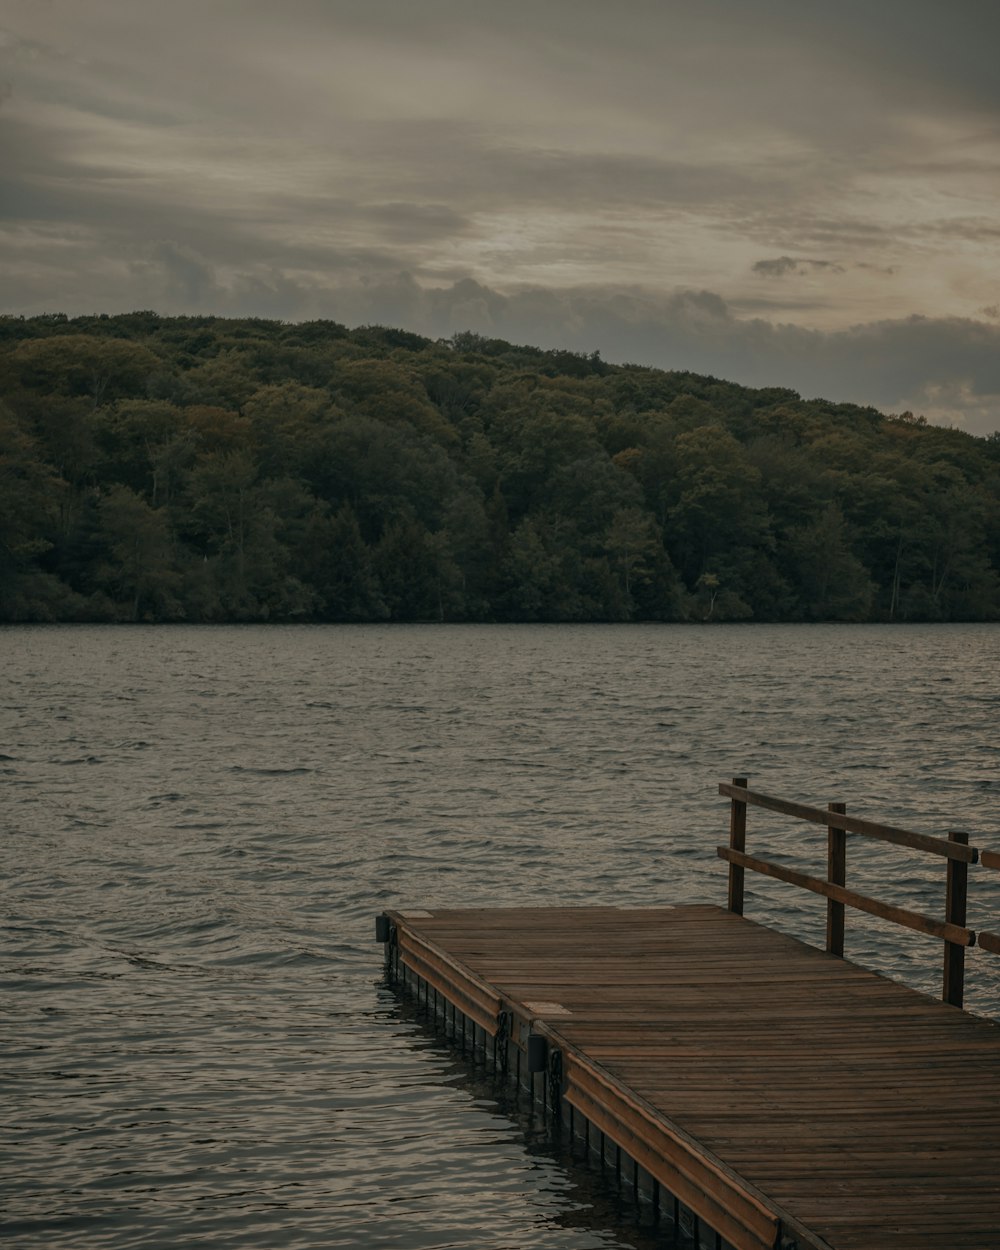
x=770, y=1085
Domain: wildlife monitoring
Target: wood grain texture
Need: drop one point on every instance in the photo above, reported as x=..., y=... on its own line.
x=773, y=1084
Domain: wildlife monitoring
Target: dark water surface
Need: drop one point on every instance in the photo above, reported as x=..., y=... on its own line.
x=199, y=825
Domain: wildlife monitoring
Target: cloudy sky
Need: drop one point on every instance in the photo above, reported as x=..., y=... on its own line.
x=779, y=192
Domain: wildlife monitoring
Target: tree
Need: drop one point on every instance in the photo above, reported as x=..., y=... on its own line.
x=287, y=422
x=78, y=364
x=392, y=394
x=146, y=445
x=717, y=511
x=246, y=469
x=29, y=499
x=341, y=569
x=634, y=547
x=140, y=574
x=226, y=380
x=417, y=576
x=833, y=583
x=471, y=550
x=541, y=575
x=384, y=472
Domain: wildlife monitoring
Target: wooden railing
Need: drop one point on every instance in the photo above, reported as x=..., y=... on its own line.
x=955, y=849
x=990, y=941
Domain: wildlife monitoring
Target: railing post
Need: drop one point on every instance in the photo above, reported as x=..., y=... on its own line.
x=737, y=842
x=836, y=874
x=956, y=900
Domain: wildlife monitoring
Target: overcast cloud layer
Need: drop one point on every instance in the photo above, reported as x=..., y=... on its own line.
x=786, y=192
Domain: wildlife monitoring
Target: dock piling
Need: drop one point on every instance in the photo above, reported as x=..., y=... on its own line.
x=836, y=856
x=737, y=842
x=956, y=903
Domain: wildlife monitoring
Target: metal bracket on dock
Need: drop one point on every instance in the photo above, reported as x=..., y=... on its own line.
x=538, y=1052
x=781, y=1242
x=385, y=931
x=500, y=1039
x=555, y=1077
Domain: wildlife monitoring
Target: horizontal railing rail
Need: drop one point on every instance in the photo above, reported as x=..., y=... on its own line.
x=954, y=932
x=852, y=824
x=851, y=898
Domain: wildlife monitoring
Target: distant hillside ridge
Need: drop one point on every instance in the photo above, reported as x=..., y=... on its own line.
x=206, y=469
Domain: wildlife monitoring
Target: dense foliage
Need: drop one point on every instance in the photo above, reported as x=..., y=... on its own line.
x=202, y=469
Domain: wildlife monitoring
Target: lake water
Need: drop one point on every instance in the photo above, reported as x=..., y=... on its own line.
x=200, y=823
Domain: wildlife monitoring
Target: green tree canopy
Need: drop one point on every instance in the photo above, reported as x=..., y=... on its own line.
x=199, y=468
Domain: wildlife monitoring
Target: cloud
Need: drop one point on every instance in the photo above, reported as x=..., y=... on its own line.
x=188, y=279
x=782, y=265
x=887, y=270
x=719, y=187
x=947, y=369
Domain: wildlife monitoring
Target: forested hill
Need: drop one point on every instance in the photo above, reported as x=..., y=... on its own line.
x=203, y=469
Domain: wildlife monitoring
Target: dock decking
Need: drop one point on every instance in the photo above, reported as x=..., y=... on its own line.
x=786, y=1096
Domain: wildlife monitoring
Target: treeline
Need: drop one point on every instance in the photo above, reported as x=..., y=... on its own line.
x=204, y=469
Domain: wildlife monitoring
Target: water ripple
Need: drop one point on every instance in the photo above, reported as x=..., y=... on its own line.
x=201, y=823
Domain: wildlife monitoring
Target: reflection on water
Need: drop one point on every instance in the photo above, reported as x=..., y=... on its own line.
x=589, y=1195
x=200, y=824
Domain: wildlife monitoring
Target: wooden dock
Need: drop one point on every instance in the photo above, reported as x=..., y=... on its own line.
x=785, y=1096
